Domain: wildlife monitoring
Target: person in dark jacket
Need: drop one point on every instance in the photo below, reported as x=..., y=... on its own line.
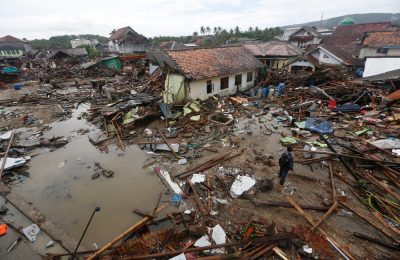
x=285, y=164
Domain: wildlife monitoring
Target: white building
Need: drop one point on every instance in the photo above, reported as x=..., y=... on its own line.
x=126, y=40
x=80, y=42
x=201, y=73
x=378, y=65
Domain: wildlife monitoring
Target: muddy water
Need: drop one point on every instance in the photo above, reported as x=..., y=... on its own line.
x=62, y=189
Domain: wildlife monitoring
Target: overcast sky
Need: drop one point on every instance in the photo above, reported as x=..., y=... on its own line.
x=44, y=18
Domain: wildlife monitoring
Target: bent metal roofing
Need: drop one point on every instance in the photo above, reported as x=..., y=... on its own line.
x=206, y=63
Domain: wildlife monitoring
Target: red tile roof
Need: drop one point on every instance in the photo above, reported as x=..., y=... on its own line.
x=9, y=38
x=382, y=39
x=273, y=49
x=347, y=37
x=212, y=62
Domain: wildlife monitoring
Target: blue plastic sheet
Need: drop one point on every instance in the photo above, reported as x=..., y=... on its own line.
x=319, y=125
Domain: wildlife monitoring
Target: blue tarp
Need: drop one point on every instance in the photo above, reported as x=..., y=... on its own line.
x=319, y=125
x=10, y=70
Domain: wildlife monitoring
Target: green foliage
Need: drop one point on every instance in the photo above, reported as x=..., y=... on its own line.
x=63, y=41
x=92, y=53
x=223, y=36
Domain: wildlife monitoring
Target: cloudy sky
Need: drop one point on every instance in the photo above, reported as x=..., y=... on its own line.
x=44, y=18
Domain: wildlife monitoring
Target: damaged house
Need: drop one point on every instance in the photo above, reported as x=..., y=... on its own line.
x=126, y=40
x=275, y=54
x=204, y=72
x=70, y=56
x=12, y=49
x=381, y=51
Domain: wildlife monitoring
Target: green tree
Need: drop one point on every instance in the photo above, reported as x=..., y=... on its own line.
x=92, y=52
x=237, y=30
x=208, y=29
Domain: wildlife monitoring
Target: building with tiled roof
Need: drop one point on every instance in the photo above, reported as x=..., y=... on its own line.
x=126, y=40
x=385, y=43
x=203, y=72
x=274, y=54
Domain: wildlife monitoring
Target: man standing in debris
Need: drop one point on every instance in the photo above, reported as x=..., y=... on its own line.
x=285, y=164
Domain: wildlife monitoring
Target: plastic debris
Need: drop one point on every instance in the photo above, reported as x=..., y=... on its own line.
x=197, y=178
x=241, y=185
x=31, y=232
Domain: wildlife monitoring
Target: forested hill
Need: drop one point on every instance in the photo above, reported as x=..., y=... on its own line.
x=359, y=18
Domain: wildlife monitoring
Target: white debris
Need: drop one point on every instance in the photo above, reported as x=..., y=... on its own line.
x=396, y=152
x=179, y=257
x=182, y=161
x=6, y=135
x=218, y=236
x=165, y=147
x=169, y=182
x=31, y=232
x=240, y=185
x=197, y=178
x=14, y=162
x=307, y=249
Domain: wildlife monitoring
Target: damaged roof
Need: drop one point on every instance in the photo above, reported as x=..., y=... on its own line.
x=9, y=38
x=127, y=33
x=206, y=63
x=75, y=52
x=348, y=37
x=273, y=49
x=382, y=39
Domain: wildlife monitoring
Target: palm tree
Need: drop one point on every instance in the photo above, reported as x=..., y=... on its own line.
x=231, y=31
x=208, y=29
x=215, y=30
x=202, y=29
x=237, y=30
x=250, y=29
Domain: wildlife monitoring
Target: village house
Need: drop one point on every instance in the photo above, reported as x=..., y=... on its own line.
x=349, y=37
x=126, y=40
x=12, y=49
x=304, y=36
x=275, y=54
x=201, y=73
x=386, y=43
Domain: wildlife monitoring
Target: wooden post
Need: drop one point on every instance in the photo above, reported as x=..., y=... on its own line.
x=124, y=234
x=169, y=146
x=309, y=219
x=331, y=209
x=332, y=182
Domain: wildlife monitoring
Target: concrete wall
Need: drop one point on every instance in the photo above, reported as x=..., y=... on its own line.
x=375, y=66
x=198, y=89
x=301, y=63
x=11, y=53
x=372, y=52
x=126, y=47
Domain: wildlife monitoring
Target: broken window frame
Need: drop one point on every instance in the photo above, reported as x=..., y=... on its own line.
x=249, y=77
x=210, y=87
x=224, y=83
x=238, y=79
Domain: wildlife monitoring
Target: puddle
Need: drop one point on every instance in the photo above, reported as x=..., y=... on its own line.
x=60, y=185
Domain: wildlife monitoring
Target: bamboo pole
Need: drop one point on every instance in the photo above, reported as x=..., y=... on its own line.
x=169, y=146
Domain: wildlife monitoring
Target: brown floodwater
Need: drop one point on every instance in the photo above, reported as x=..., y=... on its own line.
x=60, y=184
